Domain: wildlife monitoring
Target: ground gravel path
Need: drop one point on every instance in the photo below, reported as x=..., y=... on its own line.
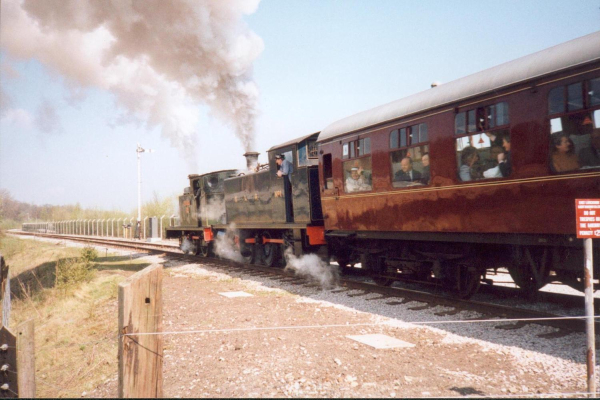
x=251, y=355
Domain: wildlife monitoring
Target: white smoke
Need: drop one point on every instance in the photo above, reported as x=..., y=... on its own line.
x=225, y=246
x=159, y=58
x=311, y=266
x=187, y=246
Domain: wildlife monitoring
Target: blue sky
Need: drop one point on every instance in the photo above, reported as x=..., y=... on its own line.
x=321, y=61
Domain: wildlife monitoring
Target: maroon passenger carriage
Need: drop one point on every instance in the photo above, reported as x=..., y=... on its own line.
x=414, y=188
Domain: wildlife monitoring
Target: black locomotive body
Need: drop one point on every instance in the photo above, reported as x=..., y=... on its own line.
x=251, y=205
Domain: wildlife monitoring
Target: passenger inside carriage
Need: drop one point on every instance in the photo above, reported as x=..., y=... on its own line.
x=357, y=175
x=563, y=157
x=470, y=166
x=410, y=167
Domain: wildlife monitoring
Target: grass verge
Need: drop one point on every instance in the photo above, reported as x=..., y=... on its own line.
x=71, y=293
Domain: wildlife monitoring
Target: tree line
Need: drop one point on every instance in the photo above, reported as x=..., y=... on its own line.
x=13, y=212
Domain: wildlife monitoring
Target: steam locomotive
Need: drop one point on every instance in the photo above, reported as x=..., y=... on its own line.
x=441, y=186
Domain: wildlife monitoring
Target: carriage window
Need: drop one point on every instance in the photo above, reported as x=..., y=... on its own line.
x=459, y=123
x=481, y=118
x=502, y=114
x=423, y=134
x=410, y=167
x=575, y=142
x=575, y=97
x=472, y=126
x=327, y=171
x=491, y=116
x=483, y=155
x=556, y=100
x=357, y=175
x=394, y=139
x=410, y=164
x=364, y=147
x=594, y=92
x=357, y=148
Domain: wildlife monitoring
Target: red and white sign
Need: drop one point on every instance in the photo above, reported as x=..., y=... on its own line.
x=587, y=212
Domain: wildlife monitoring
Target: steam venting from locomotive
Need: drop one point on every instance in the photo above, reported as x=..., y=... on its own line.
x=225, y=246
x=312, y=267
x=160, y=59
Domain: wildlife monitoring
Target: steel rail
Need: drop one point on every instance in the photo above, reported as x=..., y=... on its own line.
x=403, y=295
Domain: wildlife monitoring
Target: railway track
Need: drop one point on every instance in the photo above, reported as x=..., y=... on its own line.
x=394, y=295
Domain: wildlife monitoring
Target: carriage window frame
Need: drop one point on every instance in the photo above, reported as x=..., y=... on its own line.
x=408, y=141
x=577, y=124
x=356, y=148
x=568, y=99
x=481, y=119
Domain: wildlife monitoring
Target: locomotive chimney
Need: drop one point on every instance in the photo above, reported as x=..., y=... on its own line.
x=251, y=160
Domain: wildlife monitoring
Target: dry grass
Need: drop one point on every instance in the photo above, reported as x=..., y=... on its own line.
x=75, y=317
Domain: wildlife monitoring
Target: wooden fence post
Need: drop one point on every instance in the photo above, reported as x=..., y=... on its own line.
x=9, y=386
x=4, y=291
x=141, y=356
x=26, y=359
x=17, y=362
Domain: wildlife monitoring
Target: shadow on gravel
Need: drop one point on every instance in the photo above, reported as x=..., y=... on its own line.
x=467, y=391
x=530, y=336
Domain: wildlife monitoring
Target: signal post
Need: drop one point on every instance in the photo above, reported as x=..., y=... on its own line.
x=587, y=213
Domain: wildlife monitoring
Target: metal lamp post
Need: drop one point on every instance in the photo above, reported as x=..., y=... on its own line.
x=139, y=151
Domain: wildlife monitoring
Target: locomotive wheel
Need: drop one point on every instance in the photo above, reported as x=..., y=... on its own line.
x=270, y=252
x=533, y=272
x=247, y=251
x=205, y=249
x=377, y=266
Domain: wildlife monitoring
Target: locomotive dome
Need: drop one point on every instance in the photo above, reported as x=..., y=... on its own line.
x=576, y=52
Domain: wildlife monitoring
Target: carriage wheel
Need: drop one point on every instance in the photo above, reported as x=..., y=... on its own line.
x=344, y=263
x=463, y=277
x=377, y=266
x=532, y=273
x=469, y=279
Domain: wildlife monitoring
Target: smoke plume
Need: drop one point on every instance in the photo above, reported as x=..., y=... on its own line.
x=159, y=58
x=311, y=266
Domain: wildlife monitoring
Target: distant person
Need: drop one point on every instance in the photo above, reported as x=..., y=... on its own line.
x=562, y=156
x=504, y=162
x=425, y=174
x=468, y=159
x=285, y=170
x=406, y=172
x=590, y=156
x=356, y=181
